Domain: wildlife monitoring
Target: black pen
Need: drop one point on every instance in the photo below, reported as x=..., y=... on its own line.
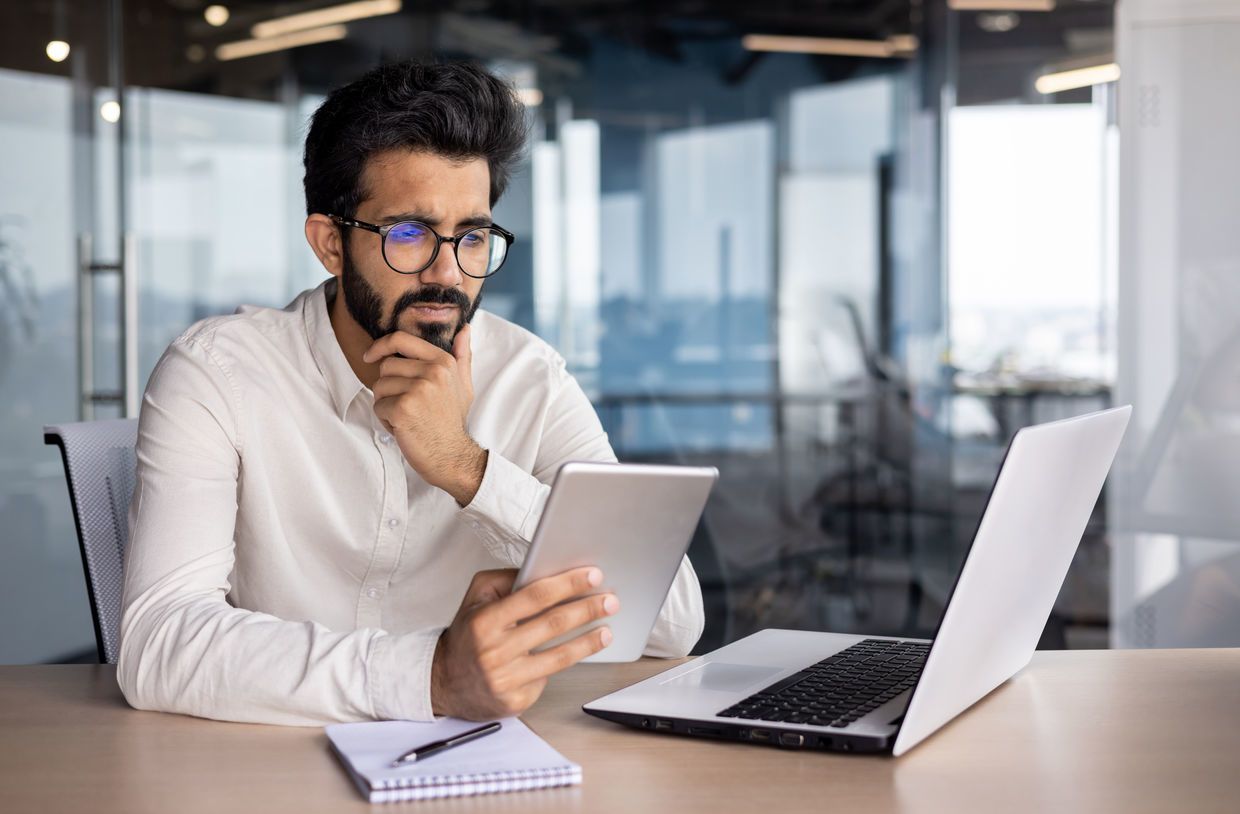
x=431, y=748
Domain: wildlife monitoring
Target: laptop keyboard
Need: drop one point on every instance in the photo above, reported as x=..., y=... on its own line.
x=839, y=689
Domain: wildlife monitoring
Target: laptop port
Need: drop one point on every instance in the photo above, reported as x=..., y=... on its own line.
x=705, y=730
x=663, y=726
x=760, y=735
x=791, y=739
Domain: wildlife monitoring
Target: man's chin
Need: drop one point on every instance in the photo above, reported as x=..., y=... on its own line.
x=439, y=334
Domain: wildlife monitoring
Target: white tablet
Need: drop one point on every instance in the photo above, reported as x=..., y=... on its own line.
x=633, y=522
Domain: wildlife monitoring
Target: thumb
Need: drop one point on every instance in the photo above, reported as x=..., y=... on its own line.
x=488, y=586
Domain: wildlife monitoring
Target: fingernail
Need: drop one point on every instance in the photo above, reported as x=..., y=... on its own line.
x=594, y=577
x=605, y=636
x=611, y=604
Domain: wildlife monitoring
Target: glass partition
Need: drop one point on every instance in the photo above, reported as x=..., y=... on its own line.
x=739, y=252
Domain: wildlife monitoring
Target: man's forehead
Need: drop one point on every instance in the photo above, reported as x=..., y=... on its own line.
x=407, y=182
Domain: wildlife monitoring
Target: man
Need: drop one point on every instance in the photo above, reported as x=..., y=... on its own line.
x=331, y=497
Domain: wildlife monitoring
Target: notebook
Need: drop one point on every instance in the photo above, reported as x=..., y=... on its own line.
x=512, y=759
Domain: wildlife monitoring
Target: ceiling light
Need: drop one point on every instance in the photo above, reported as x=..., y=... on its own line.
x=58, y=50
x=900, y=45
x=110, y=111
x=249, y=48
x=331, y=15
x=1077, y=78
x=1001, y=5
x=216, y=15
x=998, y=22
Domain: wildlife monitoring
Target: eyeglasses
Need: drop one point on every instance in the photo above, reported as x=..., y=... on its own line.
x=410, y=247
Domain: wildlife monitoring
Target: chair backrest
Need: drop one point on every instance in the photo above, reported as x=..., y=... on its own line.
x=99, y=467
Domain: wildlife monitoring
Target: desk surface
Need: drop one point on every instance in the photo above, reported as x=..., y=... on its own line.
x=1088, y=731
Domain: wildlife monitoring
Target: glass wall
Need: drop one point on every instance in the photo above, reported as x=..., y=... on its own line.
x=42, y=593
x=1176, y=578
x=845, y=281
x=1031, y=205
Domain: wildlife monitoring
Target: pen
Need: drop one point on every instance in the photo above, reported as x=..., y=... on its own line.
x=431, y=748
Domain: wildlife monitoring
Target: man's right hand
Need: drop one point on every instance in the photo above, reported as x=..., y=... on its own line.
x=484, y=667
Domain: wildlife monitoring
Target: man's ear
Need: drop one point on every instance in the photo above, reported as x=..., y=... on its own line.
x=324, y=239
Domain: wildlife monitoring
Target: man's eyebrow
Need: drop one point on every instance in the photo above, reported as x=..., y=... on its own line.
x=475, y=220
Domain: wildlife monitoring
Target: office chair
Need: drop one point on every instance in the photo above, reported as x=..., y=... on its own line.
x=99, y=467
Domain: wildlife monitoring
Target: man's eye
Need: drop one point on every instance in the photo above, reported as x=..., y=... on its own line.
x=407, y=233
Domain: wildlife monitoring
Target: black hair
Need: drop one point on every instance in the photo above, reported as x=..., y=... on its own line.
x=454, y=109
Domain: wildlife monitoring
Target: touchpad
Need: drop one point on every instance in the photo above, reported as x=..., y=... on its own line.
x=718, y=675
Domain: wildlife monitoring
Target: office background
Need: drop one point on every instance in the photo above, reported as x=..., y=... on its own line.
x=844, y=268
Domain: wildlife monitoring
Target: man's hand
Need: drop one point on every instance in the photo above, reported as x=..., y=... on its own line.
x=423, y=399
x=483, y=667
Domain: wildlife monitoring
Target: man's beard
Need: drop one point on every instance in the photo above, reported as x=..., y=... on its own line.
x=366, y=307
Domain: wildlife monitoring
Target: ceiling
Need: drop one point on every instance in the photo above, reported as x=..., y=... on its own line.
x=168, y=43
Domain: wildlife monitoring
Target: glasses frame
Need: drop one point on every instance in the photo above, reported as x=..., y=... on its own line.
x=382, y=232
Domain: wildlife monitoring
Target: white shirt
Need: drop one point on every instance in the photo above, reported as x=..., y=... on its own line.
x=285, y=563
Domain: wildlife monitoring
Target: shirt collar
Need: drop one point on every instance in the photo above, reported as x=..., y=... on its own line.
x=342, y=382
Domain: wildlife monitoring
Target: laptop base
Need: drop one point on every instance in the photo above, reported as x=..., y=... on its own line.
x=753, y=733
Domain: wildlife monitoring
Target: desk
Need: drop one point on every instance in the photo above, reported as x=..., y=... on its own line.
x=1091, y=731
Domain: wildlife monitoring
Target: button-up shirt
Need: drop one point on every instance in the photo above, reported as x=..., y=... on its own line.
x=285, y=563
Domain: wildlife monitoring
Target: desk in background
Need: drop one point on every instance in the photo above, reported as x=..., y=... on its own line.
x=1091, y=731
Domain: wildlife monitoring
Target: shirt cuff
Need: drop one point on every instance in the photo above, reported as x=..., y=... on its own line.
x=398, y=674
x=506, y=508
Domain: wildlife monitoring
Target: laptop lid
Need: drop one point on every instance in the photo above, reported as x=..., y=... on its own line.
x=1037, y=511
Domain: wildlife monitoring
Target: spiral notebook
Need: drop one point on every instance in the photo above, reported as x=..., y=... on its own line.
x=512, y=759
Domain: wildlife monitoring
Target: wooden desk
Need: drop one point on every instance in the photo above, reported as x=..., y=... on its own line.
x=1091, y=731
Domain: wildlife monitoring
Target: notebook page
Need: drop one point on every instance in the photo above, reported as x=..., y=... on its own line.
x=370, y=747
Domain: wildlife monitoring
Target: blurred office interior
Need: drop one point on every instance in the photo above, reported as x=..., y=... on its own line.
x=840, y=249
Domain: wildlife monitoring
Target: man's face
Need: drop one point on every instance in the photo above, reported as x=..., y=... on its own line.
x=450, y=197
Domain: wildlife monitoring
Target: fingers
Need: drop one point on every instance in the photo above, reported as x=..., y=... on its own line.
x=404, y=372
x=396, y=366
x=560, y=620
x=406, y=344
x=549, y=662
x=464, y=353
x=536, y=597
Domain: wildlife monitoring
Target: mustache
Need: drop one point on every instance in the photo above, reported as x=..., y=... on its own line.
x=432, y=295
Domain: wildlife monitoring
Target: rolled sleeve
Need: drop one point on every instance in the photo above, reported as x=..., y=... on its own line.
x=506, y=509
x=398, y=673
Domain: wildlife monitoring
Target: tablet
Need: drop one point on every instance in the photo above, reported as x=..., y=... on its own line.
x=632, y=521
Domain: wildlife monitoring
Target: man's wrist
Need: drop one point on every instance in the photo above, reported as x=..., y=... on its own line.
x=466, y=478
x=437, y=683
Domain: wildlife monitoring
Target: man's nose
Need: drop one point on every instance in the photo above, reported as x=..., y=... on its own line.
x=444, y=271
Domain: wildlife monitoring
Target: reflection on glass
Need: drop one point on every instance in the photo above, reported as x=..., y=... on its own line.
x=42, y=596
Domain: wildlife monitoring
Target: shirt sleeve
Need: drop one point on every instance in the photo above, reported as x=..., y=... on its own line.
x=184, y=648
x=510, y=501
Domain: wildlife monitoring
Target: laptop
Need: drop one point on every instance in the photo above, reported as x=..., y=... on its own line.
x=849, y=693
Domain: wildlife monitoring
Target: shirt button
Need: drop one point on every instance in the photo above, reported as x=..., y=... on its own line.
x=385, y=438
x=373, y=593
x=393, y=522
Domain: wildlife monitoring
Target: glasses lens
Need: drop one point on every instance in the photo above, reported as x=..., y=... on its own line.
x=481, y=252
x=409, y=246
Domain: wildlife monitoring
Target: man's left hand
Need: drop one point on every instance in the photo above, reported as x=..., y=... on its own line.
x=423, y=400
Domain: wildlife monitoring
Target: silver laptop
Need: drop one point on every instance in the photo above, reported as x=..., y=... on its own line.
x=810, y=690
